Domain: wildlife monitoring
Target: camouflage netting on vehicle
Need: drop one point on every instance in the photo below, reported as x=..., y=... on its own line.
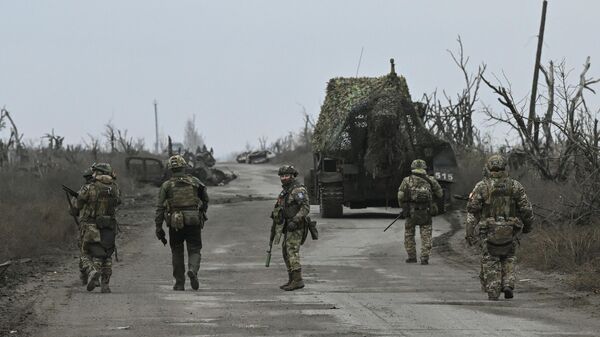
x=372, y=122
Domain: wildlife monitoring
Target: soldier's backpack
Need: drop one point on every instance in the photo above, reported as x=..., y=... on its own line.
x=106, y=202
x=420, y=190
x=184, y=204
x=500, y=223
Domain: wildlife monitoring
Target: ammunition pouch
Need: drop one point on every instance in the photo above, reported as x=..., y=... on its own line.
x=420, y=213
x=500, y=250
x=106, y=222
x=177, y=221
x=309, y=226
x=99, y=242
x=500, y=235
x=192, y=218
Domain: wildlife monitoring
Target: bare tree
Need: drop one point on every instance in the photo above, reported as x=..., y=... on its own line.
x=92, y=145
x=452, y=118
x=55, y=142
x=192, y=139
x=309, y=126
x=110, y=133
x=262, y=142
x=564, y=134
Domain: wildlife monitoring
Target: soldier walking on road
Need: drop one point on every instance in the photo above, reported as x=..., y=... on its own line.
x=499, y=207
x=83, y=258
x=417, y=196
x=290, y=220
x=182, y=203
x=96, y=205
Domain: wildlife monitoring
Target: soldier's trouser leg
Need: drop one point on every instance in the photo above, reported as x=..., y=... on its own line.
x=491, y=273
x=176, y=242
x=426, y=240
x=284, y=253
x=291, y=249
x=508, y=271
x=193, y=240
x=106, y=270
x=409, y=239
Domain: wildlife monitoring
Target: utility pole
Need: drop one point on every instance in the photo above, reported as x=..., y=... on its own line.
x=536, y=70
x=156, y=126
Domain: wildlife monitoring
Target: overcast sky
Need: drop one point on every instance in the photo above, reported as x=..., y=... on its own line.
x=245, y=67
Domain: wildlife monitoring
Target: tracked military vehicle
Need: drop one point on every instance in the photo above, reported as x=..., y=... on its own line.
x=365, y=139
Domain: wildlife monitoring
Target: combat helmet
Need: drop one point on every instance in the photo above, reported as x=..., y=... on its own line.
x=103, y=168
x=418, y=166
x=87, y=173
x=496, y=163
x=176, y=162
x=287, y=169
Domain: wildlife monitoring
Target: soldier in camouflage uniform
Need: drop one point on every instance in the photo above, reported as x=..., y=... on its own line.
x=96, y=206
x=83, y=258
x=417, y=196
x=182, y=203
x=499, y=208
x=290, y=212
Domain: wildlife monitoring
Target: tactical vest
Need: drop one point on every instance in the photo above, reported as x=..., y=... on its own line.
x=289, y=206
x=184, y=193
x=183, y=203
x=104, y=199
x=499, y=201
x=498, y=215
x=420, y=191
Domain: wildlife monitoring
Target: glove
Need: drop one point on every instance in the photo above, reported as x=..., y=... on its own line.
x=403, y=213
x=291, y=226
x=74, y=211
x=470, y=240
x=160, y=233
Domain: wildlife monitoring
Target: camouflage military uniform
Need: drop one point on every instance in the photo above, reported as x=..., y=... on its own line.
x=418, y=212
x=292, y=208
x=498, y=202
x=182, y=203
x=97, y=204
x=83, y=257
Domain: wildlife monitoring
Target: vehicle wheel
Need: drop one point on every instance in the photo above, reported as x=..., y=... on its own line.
x=332, y=197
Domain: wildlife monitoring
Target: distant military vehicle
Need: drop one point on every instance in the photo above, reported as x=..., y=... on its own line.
x=365, y=139
x=152, y=170
x=255, y=157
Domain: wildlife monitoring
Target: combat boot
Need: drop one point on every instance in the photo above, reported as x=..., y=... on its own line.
x=83, y=277
x=193, y=280
x=104, y=288
x=288, y=282
x=93, y=278
x=493, y=296
x=424, y=261
x=411, y=260
x=179, y=286
x=508, y=292
x=297, y=282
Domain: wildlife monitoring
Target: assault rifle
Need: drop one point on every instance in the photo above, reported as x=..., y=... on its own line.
x=70, y=193
x=268, y=262
x=400, y=216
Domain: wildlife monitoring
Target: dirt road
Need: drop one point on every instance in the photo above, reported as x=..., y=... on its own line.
x=357, y=283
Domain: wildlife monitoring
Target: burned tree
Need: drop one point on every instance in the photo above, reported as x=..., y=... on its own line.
x=452, y=118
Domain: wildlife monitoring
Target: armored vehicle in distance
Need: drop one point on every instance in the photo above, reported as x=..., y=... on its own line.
x=365, y=139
